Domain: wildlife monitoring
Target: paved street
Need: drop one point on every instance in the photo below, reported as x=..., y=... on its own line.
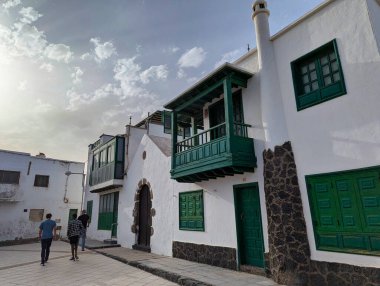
x=20, y=265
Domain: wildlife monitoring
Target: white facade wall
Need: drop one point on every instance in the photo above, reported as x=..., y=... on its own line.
x=14, y=220
x=342, y=133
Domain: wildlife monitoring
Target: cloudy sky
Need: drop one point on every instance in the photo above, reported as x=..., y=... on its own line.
x=71, y=70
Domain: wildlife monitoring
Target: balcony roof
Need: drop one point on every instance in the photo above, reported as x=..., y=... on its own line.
x=191, y=101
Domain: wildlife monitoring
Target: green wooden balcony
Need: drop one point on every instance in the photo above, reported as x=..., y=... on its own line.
x=225, y=149
x=210, y=154
x=107, y=170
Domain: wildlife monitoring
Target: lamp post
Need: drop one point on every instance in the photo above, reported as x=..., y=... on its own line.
x=68, y=173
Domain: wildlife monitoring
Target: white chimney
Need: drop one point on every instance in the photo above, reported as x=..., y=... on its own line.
x=272, y=111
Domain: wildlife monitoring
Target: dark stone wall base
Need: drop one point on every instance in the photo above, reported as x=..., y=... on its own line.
x=327, y=273
x=213, y=255
x=289, y=254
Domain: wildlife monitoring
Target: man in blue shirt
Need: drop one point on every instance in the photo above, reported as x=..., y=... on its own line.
x=46, y=235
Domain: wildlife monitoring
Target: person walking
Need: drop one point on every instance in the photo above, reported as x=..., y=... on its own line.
x=74, y=230
x=85, y=219
x=46, y=235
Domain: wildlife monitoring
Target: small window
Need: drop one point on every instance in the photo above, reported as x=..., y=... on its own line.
x=103, y=158
x=9, y=177
x=95, y=161
x=41, y=181
x=318, y=76
x=191, y=211
x=36, y=215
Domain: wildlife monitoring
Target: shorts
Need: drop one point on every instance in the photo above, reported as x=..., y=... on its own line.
x=74, y=239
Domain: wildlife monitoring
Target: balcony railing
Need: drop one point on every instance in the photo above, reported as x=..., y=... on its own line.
x=217, y=131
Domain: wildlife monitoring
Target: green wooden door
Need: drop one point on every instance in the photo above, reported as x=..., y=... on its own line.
x=89, y=209
x=249, y=226
x=71, y=212
x=346, y=210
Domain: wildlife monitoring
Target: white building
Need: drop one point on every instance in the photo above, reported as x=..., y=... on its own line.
x=31, y=187
x=280, y=171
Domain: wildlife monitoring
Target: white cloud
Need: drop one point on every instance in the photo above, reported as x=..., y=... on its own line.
x=192, y=79
x=77, y=75
x=77, y=100
x=59, y=52
x=181, y=73
x=42, y=107
x=86, y=56
x=47, y=67
x=11, y=3
x=174, y=49
x=29, y=15
x=154, y=72
x=230, y=57
x=22, y=85
x=26, y=40
x=192, y=58
x=171, y=49
x=127, y=71
x=103, y=50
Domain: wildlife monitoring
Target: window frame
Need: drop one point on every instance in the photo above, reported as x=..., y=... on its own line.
x=187, y=218
x=323, y=92
x=38, y=178
x=13, y=181
x=36, y=215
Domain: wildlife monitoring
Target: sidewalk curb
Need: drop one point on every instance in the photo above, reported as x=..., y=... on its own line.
x=171, y=276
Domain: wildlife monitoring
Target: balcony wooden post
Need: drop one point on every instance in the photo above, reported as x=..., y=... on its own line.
x=174, y=136
x=228, y=111
x=194, y=131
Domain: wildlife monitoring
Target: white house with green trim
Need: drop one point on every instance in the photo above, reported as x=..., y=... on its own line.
x=274, y=165
x=33, y=186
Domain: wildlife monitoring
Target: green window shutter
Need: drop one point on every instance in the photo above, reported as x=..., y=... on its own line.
x=108, y=208
x=318, y=76
x=345, y=208
x=167, y=120
x=191, y=211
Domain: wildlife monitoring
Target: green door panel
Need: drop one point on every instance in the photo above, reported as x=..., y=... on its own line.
x=369, y=194
x=89, y=209
x=71, y=212
x=249, y=226
x=347, y=204
x=325, y=204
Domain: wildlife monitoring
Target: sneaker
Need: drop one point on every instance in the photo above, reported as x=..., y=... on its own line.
x=76, y=257
x=82, y=249
x=42, y=264
x=72, y=258
x=46, y=260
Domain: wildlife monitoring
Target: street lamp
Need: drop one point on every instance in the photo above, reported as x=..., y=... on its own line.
x=68, y=173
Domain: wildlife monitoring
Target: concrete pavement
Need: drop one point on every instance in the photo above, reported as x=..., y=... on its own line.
x=184, y=272
x=20, y=265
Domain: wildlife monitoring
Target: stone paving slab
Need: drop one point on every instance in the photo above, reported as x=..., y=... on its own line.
x=185, y=272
